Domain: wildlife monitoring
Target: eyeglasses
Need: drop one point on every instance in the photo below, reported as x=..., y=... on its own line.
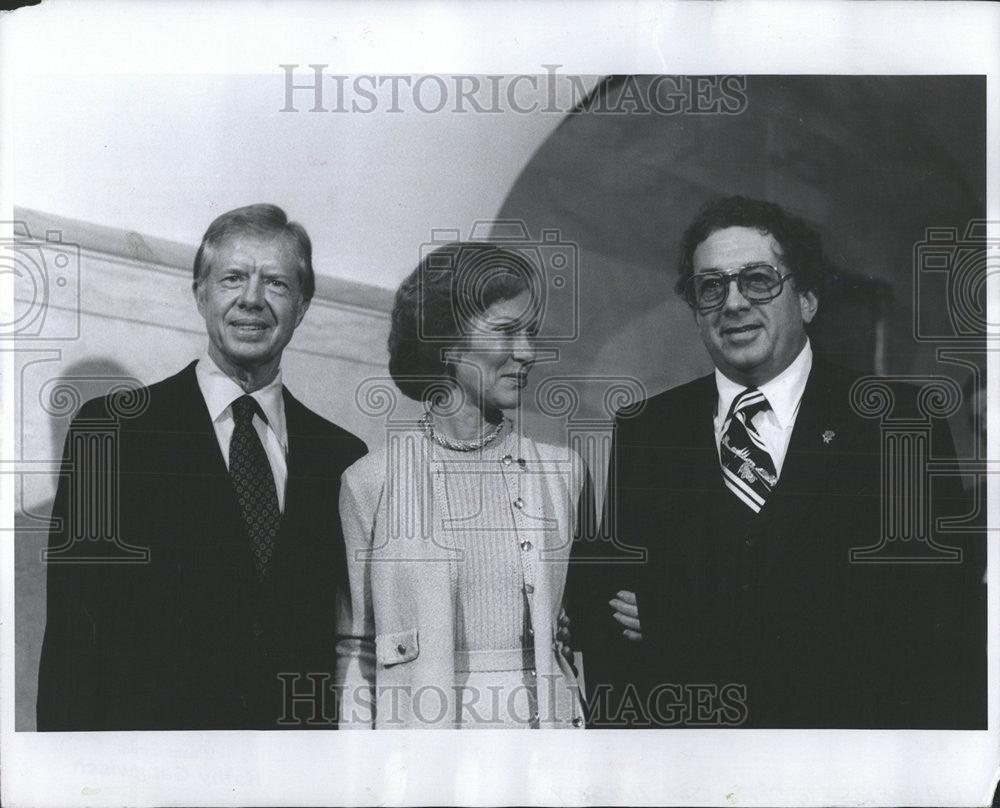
x=758, y=283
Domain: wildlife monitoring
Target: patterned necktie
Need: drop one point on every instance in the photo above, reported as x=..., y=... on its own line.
x=254, y=483
x=747, y=467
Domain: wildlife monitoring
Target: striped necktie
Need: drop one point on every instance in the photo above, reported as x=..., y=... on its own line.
x=253, y=482
x=747, y=468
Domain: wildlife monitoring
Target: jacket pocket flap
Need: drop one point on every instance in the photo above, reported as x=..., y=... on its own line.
x=396, y=648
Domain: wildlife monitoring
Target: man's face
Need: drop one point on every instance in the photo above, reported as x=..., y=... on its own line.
x=252, y=302
x=751, y=343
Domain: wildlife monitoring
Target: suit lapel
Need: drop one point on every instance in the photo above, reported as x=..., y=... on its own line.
x=298, y=466
x=707, y=471
x=197, y=462
x=707, y=555
x=809, y=471
x=684, y=491
x=694, y=470
x=810, y=460
x=201, y=446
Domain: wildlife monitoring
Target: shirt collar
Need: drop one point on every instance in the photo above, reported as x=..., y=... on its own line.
x=220, y=391
x=783, y=392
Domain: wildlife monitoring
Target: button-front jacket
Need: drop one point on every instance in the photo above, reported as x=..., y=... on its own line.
x=770, y=605
x=397, y=653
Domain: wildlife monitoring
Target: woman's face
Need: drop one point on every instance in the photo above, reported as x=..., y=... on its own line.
x=492, y=364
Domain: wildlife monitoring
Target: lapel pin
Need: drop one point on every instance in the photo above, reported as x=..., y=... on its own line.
x=828, y=435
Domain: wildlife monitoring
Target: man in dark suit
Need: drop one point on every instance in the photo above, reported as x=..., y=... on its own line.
x=220, y=567
x=747, y=491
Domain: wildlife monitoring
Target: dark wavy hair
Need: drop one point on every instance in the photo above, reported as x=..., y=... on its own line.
x=257, y=220
x=801, y=248
x=437, y=302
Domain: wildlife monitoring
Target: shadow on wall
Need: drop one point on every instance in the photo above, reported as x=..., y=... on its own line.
x=870, y=162
x=61, y=397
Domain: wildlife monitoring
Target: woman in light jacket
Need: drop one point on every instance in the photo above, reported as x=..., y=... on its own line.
x=459, y=531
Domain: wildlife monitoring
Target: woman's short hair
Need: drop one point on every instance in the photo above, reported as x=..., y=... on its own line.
x=257, y=220
x=435, y=306
x=800, y=245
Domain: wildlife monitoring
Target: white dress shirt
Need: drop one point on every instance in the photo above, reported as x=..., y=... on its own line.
x=220, y=392
x=783, y=393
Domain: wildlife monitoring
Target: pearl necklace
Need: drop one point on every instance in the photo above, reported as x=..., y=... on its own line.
x=427, y=426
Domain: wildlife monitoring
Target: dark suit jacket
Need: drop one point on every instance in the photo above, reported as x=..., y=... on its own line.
x=770, y=604
x=187, y=640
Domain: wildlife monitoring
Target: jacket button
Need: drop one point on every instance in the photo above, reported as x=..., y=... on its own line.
x=532, y=673
x=577, y=722
x=522, y=463
x=526, y=545
x=401, y=649
x=529, y=589
x=746, y=587
x=258, y=628
x=749, y=541
x=519, y=503
x=507, y=460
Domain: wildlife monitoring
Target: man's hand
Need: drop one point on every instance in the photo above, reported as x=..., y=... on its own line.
x=627, y=613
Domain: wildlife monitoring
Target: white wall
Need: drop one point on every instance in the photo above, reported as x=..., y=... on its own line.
x=163, y=155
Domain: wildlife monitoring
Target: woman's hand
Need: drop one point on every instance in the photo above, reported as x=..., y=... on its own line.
x=627, y=613
x=563, y=635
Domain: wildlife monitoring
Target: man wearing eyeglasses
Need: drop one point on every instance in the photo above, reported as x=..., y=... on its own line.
x=747, y=489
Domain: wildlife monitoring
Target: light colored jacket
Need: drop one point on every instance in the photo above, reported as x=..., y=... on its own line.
x=396, y=626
